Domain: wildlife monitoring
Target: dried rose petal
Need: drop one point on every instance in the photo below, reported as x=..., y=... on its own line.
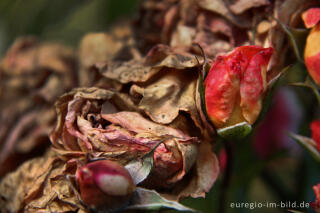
x=235, y=86
x=104, y=184
x=315, y=129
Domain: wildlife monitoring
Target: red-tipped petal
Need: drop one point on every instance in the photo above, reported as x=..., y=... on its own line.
x=312, y=54
x=221, y=89
x=311, y=17
x=238, y=75
x=315, y=131
x=253, y=83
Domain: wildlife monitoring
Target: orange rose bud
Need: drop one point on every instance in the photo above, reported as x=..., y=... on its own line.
x=311, y=18
x=104, y=185
x=235, y=86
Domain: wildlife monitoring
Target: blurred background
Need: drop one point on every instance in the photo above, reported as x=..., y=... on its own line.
x=59, y=20
x=267, y=166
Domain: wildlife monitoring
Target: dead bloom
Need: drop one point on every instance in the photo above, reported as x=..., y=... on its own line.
x=311, y=19
x=90, y=120
x=235, y=86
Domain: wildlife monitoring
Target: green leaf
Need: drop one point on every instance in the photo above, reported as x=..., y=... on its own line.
x=309, y=84
x=202, y=98
x=140, y=169
x=236, y=131
x=308, y=143
x=145, y=199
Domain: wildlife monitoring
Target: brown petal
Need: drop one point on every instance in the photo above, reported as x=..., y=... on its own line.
x=27, y=183
x=221, y=7
x=240, y=6
x=205, y=173
x=165, y=98
x=141, y=70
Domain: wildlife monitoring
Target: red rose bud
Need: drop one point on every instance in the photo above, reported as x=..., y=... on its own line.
x=235, y=86
x=315, y=131
x=316, y=204
x=104, y=185
x=311, y=18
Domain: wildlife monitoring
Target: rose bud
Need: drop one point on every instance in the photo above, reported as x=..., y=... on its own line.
x=311, y=19
x=315, y=131
x=235, y=86
x=316, y=204
x=104, y=184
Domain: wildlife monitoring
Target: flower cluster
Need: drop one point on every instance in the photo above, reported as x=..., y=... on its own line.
x=139, y=131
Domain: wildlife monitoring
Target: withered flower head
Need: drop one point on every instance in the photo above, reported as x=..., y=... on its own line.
x=235, y=86
x=104, y=184
x=32, y=76
x=311, y=19
x=89, y=121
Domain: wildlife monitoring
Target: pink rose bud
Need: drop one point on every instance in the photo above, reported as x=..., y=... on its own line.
x=311, y=18
x=104, y=185
x=315, y=130
x=235, y=86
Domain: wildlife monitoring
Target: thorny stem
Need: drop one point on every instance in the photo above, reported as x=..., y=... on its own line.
x=227, y=177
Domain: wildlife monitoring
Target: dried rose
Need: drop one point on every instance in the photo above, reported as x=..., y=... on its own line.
x=311, y=19
x=40, y=185
x=315, y=129
x=32, y=76
x=104, y=184
x=316, y=204
x=235, y=86
x=89, y=121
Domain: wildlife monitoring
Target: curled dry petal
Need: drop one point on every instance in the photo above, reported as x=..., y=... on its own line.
x=235, y=86
x=141, y=70
x=164, y=97
x=39, y=185
x=104, y=184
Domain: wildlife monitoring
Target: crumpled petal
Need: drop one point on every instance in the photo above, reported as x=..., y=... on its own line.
x=141, y=70
x=39, y=185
